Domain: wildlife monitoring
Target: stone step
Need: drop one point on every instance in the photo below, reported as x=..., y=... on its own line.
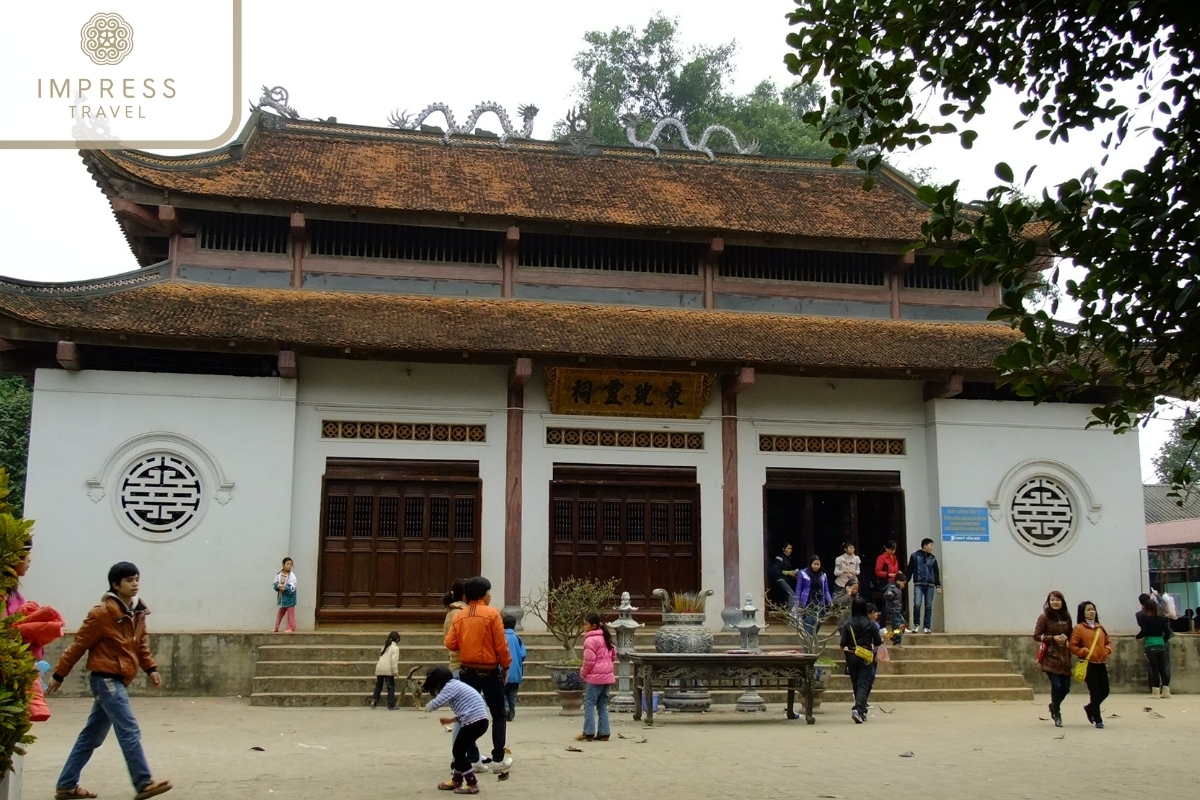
x=361, y=683
x=833, y=701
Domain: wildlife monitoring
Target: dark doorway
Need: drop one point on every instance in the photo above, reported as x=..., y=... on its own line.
x=394, y=535
x=640, y=525
x=816, y=511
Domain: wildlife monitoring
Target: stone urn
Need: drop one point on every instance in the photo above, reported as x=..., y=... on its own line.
x=570, y=688
x=684, y=632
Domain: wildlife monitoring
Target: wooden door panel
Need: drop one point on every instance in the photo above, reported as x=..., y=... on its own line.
x=644, y=534
x=394, y=536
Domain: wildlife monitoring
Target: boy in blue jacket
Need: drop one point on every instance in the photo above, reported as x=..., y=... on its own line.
x=512, y=685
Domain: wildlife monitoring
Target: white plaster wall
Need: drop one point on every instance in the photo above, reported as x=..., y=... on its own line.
x=827, y=407
x=400, y=392
x=540, y=458
x=999, y=586
x=218, y=576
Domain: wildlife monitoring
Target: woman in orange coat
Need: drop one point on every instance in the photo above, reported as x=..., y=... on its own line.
x=1091, y=643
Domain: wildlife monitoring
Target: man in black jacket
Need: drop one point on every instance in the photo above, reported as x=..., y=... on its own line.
x=926, y=579
x=782, y=577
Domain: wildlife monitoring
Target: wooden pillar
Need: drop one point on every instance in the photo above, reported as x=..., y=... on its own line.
x=508, y=261
x=298, y=234
x=170, y=221
x=709, y=267
x=896, y=280
x=514, y=486
x=730, y=543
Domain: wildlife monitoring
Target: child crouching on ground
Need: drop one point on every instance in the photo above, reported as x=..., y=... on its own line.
x=471, y=714
x=512, y=684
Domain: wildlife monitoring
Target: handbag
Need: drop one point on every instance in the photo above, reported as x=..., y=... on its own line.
x=1079, y=671
x=1041, y=653
x=866, y=655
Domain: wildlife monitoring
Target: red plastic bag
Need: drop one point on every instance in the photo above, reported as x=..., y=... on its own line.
x=41, y=624
x=882, y=655
x=38, y=710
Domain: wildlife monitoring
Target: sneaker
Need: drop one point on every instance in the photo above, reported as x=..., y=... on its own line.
x=1099, y=723
x=1155, y=692
x=927, y=631
x=371, y=704
x=603, y=738
x=1088, y=710
x=1058, y=723
x=584, y=737
x=502, y=766
x=467, y=790
x=449, y=786
x=482, y=766
x=857, y=716
x=1166, y=693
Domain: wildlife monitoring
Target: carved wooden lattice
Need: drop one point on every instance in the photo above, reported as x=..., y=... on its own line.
x=1041, y=513
x=405, y=431
x=842, y=445
x=589, y=437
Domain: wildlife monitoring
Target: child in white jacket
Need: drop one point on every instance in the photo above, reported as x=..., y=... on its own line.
x=846, y=566
x=386, y=669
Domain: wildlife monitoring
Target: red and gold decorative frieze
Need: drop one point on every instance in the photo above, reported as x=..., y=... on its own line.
x=404, y=431
x=603, y=437
x=841, y=445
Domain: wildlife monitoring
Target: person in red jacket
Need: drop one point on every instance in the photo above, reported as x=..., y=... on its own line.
x=887, y=566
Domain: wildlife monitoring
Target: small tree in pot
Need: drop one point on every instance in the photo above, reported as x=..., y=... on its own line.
x=562, y=608
x=824, y=621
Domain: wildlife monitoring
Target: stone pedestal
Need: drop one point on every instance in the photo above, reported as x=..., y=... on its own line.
x=747, y=626
x=684, y=633
x=10, y=786
x=623, y=700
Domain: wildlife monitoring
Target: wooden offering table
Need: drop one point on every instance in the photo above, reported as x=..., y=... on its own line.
x=795, y=670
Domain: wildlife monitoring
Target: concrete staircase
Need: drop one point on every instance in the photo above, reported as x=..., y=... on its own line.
x=337, y=668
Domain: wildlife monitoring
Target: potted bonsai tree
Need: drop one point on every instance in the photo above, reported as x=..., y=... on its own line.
x=815, y=625
x=562, y=608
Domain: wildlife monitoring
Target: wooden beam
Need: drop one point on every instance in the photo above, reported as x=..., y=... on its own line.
x=132, y=212
x=287, y=364
x=521, y=372
x=169, y=219
x=940, y=390
x=740, y=381
x=730, y=543
x=68, y=356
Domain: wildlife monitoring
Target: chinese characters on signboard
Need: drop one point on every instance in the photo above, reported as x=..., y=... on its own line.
x=597, y=392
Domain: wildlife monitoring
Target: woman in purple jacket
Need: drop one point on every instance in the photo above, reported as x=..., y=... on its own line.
x=812, y=595
x=599, y=673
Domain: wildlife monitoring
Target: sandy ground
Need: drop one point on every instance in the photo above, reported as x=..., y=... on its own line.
x=959, y=750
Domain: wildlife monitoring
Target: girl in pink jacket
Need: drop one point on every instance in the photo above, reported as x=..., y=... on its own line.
x=599, y=673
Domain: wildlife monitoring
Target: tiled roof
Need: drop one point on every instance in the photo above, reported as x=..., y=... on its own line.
x=1173, y=533
x=435, y=324
x=1161, y=508
x=322, y=164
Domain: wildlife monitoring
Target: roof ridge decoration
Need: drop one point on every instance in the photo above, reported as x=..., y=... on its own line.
x=95, y=286
x=632, y=119
x=276, y=99
x=398, y=119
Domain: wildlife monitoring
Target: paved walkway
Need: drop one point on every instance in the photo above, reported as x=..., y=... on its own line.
x=987, y=750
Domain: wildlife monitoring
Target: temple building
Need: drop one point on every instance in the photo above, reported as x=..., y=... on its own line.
x=400, y=358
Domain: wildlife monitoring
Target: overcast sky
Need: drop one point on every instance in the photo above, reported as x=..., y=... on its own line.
x=360, y=59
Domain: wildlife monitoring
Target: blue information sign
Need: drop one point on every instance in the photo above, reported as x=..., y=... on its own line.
x=961, y=524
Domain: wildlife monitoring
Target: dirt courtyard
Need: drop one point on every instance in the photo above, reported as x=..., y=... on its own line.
x=985, y=750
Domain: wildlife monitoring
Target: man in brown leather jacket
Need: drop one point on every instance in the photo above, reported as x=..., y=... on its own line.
x=114, y=637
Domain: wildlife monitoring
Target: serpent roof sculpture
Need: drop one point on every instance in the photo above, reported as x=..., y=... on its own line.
x=631, y=122
x=403, y=121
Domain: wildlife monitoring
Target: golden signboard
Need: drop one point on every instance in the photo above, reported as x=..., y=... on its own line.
x=613, y=393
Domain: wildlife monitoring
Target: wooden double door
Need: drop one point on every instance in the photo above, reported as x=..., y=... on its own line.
x=394, y=535
x=640, y=525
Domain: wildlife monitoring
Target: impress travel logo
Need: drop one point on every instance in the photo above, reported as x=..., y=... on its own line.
x=82, y=77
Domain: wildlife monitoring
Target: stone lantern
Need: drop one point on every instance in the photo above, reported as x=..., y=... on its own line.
x=625, y=626
x=748, y=628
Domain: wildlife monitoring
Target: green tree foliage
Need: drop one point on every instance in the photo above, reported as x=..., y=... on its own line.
x=649, y=73
x=1112, y=67
x=17, y=670
x=1179, y=454
x=16, y=404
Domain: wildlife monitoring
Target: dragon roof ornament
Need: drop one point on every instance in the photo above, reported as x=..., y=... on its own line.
x=275, y=99
x=402, y=120
x=631, y=122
